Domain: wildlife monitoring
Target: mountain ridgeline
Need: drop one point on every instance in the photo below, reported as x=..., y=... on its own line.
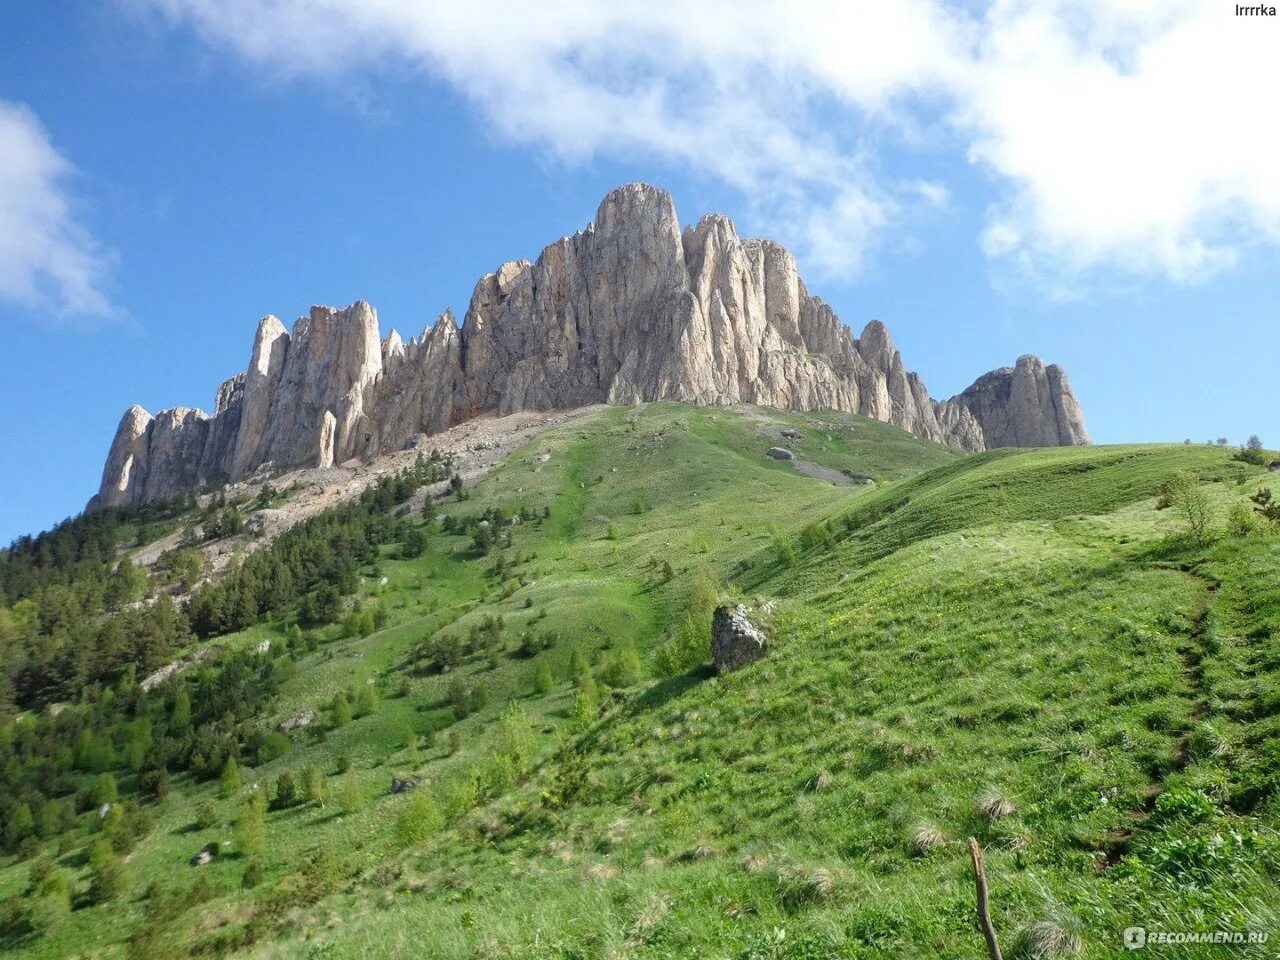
x=632, y=309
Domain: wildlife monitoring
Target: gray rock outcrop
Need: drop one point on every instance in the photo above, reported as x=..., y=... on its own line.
x=735, y=640
x=631, y=309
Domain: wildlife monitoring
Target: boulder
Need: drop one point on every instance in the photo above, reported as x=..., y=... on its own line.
x=779, y=453
x=791, y=433
x=298, y=721
x=735, y=640
x=208, y=853
x=405, y=784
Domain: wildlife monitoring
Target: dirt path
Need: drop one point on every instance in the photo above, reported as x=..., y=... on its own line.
x=1191, y=654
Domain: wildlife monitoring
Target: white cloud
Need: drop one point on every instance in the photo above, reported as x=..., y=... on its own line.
x=1127, y=135
x=48, y=261
x=1120, y=134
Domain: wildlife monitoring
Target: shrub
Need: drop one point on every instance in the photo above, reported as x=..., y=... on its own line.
x=1242, y=522
x=543, y=681
x=230, y=780
x=1252, y=452
x=366, y=700
x=815, y=535
x=286, y=791
x=251, y=831
x=350, y=796
x=419, y=819
x=252, y=875
x=104, y=789
x=586, y=707
x=106, y=872
x=783, y=550
x=515, y=738
x=1266, y=506
x=314, y=788
x=623, y=668
x=206, y=815
x=341, y=709
x=1189, y=500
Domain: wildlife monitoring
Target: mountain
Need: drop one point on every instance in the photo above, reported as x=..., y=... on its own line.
x=631, y=309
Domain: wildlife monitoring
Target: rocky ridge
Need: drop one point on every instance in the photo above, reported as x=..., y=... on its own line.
x=632, y=309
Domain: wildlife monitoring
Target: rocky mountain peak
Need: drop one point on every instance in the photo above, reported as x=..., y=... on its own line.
x=632, y=308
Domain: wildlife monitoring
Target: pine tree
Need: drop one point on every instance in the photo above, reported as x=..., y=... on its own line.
x=341, y=709
x=180, y=720
x=350, y=797
x=366, y=700
x=586, y=706
x=314, y=788
x=230, y=781
x=251, y=832
x=106, y=872
x=543, y=681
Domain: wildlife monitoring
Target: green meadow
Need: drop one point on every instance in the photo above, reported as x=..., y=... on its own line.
x=1026, y=647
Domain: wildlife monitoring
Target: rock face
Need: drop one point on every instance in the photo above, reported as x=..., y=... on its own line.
x=1029, y=405
x=631, y=309
x=735, y=640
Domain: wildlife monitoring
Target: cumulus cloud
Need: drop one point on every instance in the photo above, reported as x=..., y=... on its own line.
x=1118, y=134
x=48, y=261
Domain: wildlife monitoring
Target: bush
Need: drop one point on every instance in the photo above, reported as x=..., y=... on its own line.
x=815, y=535
x=252, y=875
x=623, y=668
x=206, y=815
x=586, y=707
x=1253, y=453
x=419, y=819
x=314, y=788
x=106, y=873
x=350, y=796
x=251, y=832
x=366, y=700
x=104, y=789
x=286, y=791
x=230, y=780
x=784, y=551
x=543, y=681
x=1243, y=522
x=1191, y=503
x=341, y=709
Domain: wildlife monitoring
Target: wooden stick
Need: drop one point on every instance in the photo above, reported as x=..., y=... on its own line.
x=984, y=913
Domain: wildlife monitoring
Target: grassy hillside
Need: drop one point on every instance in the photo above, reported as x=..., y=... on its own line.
x=1017, y=646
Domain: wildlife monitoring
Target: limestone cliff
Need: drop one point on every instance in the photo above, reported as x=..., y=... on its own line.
x=631, y=309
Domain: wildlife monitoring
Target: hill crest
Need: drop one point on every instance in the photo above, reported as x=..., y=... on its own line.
x=631, y=309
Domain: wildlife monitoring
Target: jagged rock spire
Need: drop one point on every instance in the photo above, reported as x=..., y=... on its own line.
x=630, y=309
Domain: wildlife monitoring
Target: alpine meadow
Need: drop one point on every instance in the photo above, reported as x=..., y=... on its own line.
x=503, y=735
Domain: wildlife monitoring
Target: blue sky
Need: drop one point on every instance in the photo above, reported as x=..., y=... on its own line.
x=989, y=180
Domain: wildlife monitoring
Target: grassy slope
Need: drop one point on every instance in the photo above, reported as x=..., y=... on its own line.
x=1013, y=621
